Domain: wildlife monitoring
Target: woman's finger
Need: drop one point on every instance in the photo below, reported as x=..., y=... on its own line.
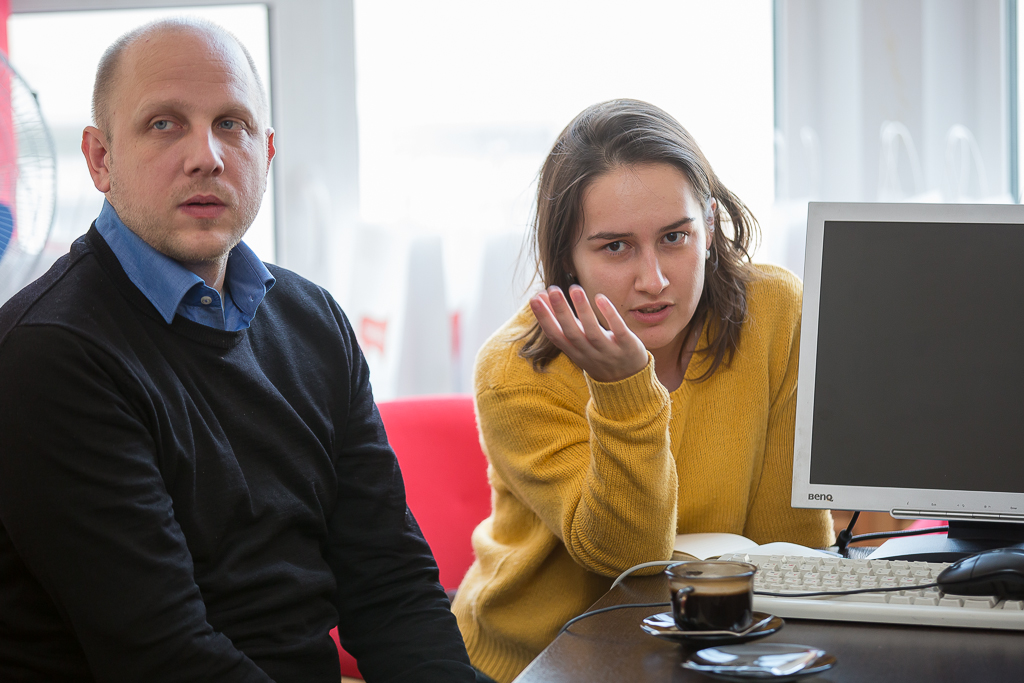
x=540, y=304
x=592, y=327
x=615, y=322
x=571, y=327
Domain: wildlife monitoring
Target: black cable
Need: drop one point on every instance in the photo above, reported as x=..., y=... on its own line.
x=846, y=535
x=609, y=609
x=891, y=589
x=896, y=534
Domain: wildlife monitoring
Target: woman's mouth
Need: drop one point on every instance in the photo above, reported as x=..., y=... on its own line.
x=651, y=315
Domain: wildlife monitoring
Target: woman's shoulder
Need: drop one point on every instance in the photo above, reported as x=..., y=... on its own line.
x=774, y=291
x=499, y=365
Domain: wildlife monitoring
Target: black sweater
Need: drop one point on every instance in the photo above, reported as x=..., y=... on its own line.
x=180, y=503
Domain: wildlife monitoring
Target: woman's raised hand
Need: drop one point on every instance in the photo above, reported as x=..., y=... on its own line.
x=607, y=355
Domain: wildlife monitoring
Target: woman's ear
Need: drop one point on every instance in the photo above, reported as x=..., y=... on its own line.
x=710, y=219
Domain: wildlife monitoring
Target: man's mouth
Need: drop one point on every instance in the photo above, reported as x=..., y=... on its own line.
x=203, y=200
x=203, y=206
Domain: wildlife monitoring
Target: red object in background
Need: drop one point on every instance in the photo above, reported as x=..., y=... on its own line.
x=446, y=486
x=372, y=334
x=926, y=524
x=8, y=149
x=5, y=12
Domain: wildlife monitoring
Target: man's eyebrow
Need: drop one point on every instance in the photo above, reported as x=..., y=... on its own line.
x=155, y=107
x=622, y=235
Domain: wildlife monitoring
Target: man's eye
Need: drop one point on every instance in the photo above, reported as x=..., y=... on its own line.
x=162, y=125
x=230, y=125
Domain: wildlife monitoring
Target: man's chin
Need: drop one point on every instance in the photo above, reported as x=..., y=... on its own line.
x=200, y=252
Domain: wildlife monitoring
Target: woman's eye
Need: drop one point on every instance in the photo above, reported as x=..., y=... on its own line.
x=615, y=247
x=674, y=237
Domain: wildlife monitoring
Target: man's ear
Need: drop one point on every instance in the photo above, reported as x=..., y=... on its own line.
x=96, y=150
x=271, y=150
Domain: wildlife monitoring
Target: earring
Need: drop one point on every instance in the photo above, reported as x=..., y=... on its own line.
x=707, y=255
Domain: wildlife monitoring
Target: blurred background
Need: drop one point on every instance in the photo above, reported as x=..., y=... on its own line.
x=410, y=133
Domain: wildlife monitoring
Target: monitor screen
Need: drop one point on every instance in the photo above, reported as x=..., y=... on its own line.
x=911, y=386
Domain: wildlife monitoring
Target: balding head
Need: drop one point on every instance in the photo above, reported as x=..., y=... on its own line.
x=184, y=149
x=111, y=66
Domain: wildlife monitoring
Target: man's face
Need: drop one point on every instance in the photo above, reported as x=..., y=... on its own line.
x=187, y=164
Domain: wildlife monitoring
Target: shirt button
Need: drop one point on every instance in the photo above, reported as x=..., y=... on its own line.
x=206, y=300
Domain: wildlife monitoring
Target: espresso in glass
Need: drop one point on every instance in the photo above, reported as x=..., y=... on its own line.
x=712, y=596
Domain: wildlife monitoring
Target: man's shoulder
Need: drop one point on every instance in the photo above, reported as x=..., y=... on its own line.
x=68, y=291
x=294, y=300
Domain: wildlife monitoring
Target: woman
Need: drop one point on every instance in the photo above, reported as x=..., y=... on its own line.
x=657, y=399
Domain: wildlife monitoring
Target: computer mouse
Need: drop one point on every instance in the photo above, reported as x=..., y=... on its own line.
x=998, y=572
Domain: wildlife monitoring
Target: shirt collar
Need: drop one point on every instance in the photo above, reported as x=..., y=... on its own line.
x=165, y=282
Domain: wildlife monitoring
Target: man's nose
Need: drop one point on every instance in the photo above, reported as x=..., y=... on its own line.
x=204, y=155
x=650, y=277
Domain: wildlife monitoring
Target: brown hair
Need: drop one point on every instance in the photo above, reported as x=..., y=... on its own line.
x=621, y=133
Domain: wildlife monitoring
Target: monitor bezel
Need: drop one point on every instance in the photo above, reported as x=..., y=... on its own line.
x=900, y=502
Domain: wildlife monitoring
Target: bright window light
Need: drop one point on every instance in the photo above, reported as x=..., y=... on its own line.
x=459, y=101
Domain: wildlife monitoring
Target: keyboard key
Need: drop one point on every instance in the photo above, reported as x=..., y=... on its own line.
x=1015, y=605
x=978, y=602
x=951, y=602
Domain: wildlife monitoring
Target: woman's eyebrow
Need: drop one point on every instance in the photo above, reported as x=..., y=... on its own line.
x=622, y=235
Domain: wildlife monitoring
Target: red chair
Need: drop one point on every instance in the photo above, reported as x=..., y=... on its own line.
x=445, y=474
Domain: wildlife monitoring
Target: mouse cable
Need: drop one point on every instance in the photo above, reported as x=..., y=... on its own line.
x=891, y=589
x=643, y=565
x=609, y=609
x=896, y=534
x=888, y=589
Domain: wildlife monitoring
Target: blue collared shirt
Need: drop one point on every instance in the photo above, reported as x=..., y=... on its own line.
x=174, y=289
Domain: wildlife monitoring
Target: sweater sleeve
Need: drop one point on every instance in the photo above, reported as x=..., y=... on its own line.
x=771, y=516
x=600, y=476
x=86, y=511
x=394, y=616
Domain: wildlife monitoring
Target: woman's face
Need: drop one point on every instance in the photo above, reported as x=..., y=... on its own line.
x=643, y=245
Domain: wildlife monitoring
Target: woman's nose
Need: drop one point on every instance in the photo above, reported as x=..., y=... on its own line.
x=651, y=278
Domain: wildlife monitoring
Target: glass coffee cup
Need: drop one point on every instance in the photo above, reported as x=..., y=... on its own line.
x=712, y=596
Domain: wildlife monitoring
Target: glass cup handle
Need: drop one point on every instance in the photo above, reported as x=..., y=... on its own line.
x=680, y=597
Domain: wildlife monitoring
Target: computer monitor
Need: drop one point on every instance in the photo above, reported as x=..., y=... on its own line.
x=910, y=396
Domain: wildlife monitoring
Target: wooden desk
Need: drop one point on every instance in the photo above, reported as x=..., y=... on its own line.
x=611, y=647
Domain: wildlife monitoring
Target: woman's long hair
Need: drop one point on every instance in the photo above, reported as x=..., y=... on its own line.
x=623, y=133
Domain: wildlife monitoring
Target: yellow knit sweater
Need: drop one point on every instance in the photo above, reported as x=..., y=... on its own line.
x=591, y=478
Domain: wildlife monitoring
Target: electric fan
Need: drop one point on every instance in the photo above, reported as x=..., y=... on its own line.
x=28, y=179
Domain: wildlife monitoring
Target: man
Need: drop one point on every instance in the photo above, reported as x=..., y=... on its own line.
x=192, y=489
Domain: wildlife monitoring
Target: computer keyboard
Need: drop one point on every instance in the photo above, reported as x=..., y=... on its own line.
x=927, y=606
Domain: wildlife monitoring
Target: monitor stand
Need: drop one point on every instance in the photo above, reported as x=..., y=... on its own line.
x=963, y=540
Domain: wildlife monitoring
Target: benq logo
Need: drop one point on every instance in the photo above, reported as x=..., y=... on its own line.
x=820, y=496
